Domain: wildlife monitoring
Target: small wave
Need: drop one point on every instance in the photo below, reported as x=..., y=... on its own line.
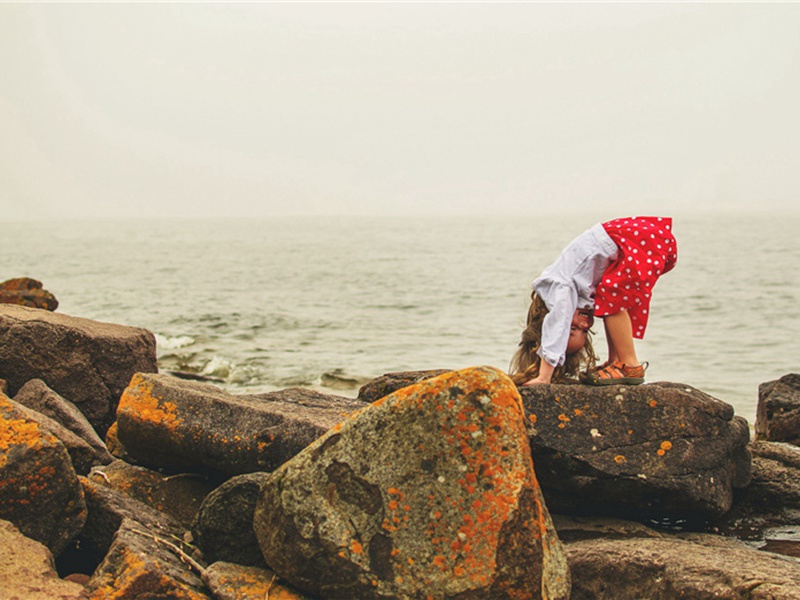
x=165, y=342
x=339, y=380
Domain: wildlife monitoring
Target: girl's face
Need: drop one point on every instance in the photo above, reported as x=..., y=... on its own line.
x=578, y=332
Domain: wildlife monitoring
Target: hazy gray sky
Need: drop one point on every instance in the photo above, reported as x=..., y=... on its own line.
x=194, y=109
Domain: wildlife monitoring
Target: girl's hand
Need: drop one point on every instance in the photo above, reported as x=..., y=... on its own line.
x=545, y=374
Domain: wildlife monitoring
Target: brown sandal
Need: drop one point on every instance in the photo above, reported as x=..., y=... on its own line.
x=615, y=373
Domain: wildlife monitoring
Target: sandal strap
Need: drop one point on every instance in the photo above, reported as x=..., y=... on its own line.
x=614, y=370
x=618, y=370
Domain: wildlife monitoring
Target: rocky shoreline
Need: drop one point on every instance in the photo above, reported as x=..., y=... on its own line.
x=117, y=481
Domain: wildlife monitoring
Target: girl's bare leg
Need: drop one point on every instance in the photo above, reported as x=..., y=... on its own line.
x=612, y=351
x=619, y=334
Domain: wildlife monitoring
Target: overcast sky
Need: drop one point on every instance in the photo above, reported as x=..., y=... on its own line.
x=194, y=109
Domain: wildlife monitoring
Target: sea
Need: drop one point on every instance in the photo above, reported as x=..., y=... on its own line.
x=329, y=303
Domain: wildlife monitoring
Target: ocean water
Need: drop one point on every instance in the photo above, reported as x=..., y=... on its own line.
x=331, y=302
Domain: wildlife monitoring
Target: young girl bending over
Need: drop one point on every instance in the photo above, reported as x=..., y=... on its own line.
x=608, y=271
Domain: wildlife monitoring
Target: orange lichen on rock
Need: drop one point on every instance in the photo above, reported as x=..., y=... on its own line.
x=16, y=430
x=247, y=583
x=466, y=468
x=138, y=402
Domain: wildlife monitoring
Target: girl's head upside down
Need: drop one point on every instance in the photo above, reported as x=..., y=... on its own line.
x=580, y=352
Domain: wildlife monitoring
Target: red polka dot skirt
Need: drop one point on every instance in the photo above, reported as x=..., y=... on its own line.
x=647, y=249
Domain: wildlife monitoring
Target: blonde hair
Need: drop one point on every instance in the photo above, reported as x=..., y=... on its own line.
x=525, y=362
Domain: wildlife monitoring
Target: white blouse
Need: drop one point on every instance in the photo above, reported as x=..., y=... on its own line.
x=569, y=284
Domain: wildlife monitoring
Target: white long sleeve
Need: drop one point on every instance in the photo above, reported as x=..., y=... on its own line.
x=569, y=284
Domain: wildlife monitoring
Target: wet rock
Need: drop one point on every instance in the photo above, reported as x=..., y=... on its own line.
x=778, y=412
x=143, y=564
x=39, y=489
x=37, y=396
x=656, y=451
x=697, y=566
x=27, y=292
x=180, y=495
x=87, y=362
x=230, y=581
x=391, y=382
x=224, y=527
x=165, y=422
x=27, y=570
x=80, y=453
x=428, y=492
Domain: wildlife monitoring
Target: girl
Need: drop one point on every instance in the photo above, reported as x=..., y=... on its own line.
x=608, y=271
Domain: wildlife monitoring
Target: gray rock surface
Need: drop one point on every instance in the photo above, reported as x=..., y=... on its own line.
x=224, y=527
x=657, y=450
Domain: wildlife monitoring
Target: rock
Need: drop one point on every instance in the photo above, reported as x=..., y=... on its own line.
x=108, y=508
x=778, y=412
x=652, y=451
x=141, y=564
x=39, y=490
x=230, y=581
x=697, y=566
x=27, y=292
x=773, y=497
x=80, y=453
x=224, y=527
x=429, y=492
x=36, y=395
x=87, y=362
x=113, y=444
x=391, y=382
x=179, y=496
x=165, y=422
x=572, y=528
x=28, y=572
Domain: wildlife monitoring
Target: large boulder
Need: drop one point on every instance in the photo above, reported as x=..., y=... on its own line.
x=37, y=396
x=166, y=422
x=224, y=527
x=87, y=362
x=778, y=412
x=39, y=489
x=654, y=451
x=429, y=492
x=27, y=292
x=28, y=572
